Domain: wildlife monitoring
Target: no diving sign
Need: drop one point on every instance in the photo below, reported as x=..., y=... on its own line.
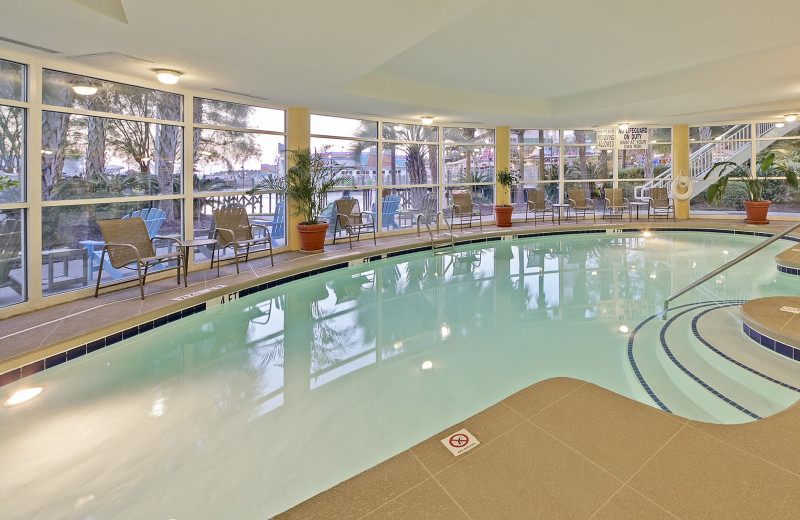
x=460, y=442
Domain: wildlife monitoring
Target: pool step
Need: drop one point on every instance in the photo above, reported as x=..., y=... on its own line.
x=713, y=372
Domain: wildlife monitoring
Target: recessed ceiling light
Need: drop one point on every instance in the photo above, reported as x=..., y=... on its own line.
x=790, y=117
x=169, y=77
x=623, y=126
x=84, y=90
x=426, y=120
x=23, y=396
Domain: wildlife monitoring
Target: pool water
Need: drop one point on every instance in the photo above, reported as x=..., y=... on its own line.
x=250, y=407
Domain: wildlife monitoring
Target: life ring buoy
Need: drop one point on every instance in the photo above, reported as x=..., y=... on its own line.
x=682, y=187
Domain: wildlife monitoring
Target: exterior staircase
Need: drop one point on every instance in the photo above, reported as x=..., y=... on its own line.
x=734, y=145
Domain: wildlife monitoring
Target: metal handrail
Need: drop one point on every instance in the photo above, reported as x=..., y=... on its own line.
x=427, y=225
x=724, y=267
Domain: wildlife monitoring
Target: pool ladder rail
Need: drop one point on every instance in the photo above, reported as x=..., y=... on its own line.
x=449, y=233
x=724, y=267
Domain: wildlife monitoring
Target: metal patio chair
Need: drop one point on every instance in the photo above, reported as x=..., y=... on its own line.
x=233, y=228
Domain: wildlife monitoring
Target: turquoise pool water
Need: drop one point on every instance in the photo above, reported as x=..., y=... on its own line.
x=250, y=407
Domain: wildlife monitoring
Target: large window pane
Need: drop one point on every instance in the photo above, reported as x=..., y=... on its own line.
x=224, y=113
x=406, y=132
x=719, y=133
x=469, y=164
x=522, y=136
x=359, y=158
x=587, y=162
x=469, y=135
x=227, y=160
x=644, y=164
x=72, y=243
x=93, y=157
x=535, y=163
x=410, y=163
x=62, y=89
x=580, y=137
x=266, y=209
x=12, y=154
x=12, y=255
x=12, y=80
x=343, y=127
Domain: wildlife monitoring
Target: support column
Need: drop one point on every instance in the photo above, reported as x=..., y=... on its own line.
x=680, y=161
x=299, y=136
x=502, y=158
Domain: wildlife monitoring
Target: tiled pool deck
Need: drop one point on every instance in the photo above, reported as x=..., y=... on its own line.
x=559, y=449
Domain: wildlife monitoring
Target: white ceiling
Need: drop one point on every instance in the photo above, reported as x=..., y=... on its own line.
x=522, y=63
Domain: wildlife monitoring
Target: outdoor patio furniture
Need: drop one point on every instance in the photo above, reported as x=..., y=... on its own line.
x=660, y=203
x=353, y=221
x=233, y=228
x=127, y=244
x=10, y=254
x=390, y=207
x=153, y=219
x=579, y=204
x=616, y=204
x=538, y=205
x=465, y=210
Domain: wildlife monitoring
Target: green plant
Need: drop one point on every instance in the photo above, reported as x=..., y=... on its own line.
x=765, y=168
x=307, y=182
x=7, y=182
x=506, y=178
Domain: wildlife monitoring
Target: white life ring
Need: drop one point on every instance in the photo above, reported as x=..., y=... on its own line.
x=682, y=187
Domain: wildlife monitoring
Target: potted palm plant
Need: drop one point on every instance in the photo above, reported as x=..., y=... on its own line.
x=756, y=208
x=307, y=183
x=503, y=211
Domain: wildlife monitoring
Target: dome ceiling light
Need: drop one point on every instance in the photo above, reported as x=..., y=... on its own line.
x=426, y=120
x=623, y=126
x=168, y=77
x=84, y=90
x=790, y=117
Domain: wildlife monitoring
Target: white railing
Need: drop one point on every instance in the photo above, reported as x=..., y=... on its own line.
x=723, y=148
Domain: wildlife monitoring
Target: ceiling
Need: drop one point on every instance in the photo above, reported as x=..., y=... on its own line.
x=521, y=63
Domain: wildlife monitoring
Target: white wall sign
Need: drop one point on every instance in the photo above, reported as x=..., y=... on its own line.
x=605, y=138
x=634, y=138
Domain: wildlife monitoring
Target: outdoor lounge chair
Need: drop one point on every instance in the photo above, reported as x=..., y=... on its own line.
x=660, y=204
x=233, y=228
x=390, y=207
x=616, y=204
x=353, y=221
x=10, y=253
x=128, y=243
x=465, y=210
x=538, y=205
x=578, y=203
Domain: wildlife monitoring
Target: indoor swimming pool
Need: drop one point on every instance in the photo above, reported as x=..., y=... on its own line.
x=252, y=406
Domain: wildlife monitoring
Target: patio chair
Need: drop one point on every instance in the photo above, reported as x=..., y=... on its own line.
x=465, y=210
x=538, y=205
x=578, y=203
x=153, y=219
x=428, y=207
x=10, y=254
x=353, y=221
x=390, y=207
x=616, y=204
x=128, y=243
x=233, y=228
x=660, y=203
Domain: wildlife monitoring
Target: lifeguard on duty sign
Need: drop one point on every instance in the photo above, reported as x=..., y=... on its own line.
x=460, y=442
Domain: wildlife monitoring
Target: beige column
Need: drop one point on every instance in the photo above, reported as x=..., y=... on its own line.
x=502, y=156
x=680, y=161
x=299, y=136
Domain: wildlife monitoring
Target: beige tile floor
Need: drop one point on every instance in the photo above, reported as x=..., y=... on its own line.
x=559, y=449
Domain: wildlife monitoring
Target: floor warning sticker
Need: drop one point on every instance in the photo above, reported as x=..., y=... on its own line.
x=460, y=442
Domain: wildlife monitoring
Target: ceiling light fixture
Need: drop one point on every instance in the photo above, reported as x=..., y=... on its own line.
x=623, y=127
x=790, y=117
x=84, y=90
x=780, y=125
x=169, y=77
x=426, y=120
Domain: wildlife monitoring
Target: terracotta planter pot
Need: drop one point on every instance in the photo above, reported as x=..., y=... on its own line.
x=502, y=215
x=756, y=211
x=312, y=237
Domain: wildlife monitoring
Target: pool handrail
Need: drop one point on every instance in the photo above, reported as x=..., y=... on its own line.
x=724, y=267
x=430, y=233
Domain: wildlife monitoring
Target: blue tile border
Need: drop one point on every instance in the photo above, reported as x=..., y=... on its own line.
x=788, y=270
x=55, y=360
x=771, y=343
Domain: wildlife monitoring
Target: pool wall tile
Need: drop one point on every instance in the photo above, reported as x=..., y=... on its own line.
x=55, y=360
x=113, y=338
x=100, y=343
x=76, y=352
x=29, y=370
x=10, y=376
